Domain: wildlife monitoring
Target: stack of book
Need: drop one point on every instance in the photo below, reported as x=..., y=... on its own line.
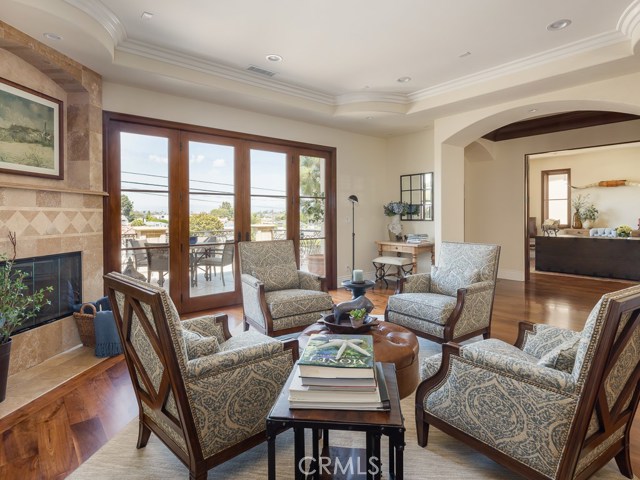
x=338, y=372
x=417, y=238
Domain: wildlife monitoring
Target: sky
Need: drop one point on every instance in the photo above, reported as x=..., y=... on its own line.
x=145, y=165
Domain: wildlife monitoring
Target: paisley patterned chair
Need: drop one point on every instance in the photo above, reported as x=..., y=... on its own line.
x=277, y=297
x=557, y=405
x=204, y=393
x=455, y=300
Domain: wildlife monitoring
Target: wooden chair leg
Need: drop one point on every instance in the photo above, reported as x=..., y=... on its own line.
x=422, y=427
x=197, y=474
x=143, y=435
x=623, y=460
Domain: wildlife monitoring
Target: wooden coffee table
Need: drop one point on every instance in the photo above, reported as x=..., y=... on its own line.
x=373, y=423
x=391, y=344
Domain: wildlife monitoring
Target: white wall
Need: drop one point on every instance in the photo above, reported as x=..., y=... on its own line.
x=406, y=155
x=616, y=205
x=361, y=159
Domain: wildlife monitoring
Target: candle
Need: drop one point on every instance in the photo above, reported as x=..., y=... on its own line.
x=358, y=276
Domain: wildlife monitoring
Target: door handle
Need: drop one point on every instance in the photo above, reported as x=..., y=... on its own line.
x=239, y=236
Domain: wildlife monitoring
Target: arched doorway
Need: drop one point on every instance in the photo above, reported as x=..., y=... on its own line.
x=486, y=196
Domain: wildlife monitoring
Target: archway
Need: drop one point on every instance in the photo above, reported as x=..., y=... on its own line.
x=483, y=199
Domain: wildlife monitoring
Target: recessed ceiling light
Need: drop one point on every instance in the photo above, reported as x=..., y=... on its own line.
x=533, y=110
x=146, y=16
x=274, y=57
x=369, y=118
x=559, y=24
x=465, y=54
x=404, y=79
x=52, y=36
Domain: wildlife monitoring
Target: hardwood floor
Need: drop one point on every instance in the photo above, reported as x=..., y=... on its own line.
x=53, y=435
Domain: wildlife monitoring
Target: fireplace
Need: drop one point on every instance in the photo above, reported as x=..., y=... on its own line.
x=63, y=272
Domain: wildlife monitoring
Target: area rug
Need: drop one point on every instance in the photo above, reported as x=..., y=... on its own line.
x=444, y=458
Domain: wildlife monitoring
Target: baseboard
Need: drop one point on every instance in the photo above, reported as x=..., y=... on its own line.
x=509, y=274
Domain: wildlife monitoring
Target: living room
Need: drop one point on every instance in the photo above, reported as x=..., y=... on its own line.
x=479, y=190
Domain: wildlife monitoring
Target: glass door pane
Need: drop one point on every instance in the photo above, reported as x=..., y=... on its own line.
x=144, y=174
x=212, y=200
x=312, y=214
x=268, y=195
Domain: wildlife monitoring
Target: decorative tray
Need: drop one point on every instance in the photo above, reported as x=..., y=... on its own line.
x=344, y=326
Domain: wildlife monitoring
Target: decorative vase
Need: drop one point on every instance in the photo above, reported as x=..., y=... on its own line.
x=587, y=224
x=395, y=228
x=577, y=223
x=5, y=352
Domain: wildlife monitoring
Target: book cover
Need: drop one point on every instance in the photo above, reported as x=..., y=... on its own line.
x=333, y=355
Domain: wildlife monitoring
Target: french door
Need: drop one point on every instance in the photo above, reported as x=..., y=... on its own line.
x=180, y=199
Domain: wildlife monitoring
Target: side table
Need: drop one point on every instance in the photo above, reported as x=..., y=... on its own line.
x=373, y=423
x=358, y=289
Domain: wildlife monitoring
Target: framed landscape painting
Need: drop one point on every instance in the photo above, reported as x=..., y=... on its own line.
x=30, y=132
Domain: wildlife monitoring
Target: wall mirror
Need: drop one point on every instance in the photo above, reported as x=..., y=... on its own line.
x=417, y=191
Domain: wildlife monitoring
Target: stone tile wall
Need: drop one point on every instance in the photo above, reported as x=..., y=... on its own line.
x=55, y=216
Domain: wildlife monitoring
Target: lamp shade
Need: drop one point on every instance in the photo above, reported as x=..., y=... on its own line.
x=353, y=198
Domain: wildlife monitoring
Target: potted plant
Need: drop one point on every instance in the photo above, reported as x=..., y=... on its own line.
x=312, y=212
x=357, y=316
x=17, y=304
x=624, y=231
x=589, y=215
x=578, y=203
x=395, y=210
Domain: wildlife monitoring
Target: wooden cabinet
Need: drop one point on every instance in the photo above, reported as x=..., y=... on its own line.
x=597, y=257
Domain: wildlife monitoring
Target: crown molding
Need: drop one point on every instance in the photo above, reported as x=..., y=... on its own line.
x=630, y=19
x=202, y=65
x=105, y=17
x=627, y=29
x=383, y=97
x=583, y=46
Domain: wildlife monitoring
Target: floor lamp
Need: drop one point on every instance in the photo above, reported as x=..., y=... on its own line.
x=353, y=199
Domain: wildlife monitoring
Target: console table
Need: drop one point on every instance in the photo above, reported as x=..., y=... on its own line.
x=594, y=256
x=414, y=249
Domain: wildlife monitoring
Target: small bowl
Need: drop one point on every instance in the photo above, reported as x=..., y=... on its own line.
x=344, y=326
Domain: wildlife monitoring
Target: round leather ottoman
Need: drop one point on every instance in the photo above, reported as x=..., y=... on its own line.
x=391, y=344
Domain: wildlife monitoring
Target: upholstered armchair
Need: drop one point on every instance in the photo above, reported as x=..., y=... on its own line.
x=557, y=405
x=455, y=300
x=203, y=392
x=277, y=297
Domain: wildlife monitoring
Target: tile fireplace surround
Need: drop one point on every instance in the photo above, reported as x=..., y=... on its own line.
x=55, y=216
